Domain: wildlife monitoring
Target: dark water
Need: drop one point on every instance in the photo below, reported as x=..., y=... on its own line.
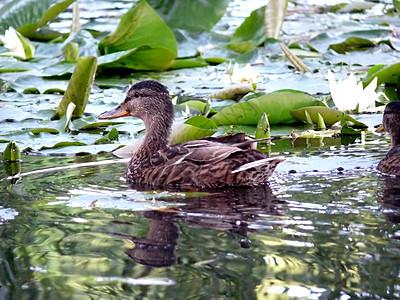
x=321, y=232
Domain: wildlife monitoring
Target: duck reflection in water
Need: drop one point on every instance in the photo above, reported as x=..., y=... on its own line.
x=232, y=210
x=391, y=198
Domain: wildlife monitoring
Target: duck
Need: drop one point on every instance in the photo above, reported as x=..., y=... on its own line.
x=213, y=162
x=390, y=164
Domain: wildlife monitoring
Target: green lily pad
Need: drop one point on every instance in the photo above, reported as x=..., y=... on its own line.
x=62, y=145
x=276, y=105
x=29, y=15
x=181, y=14
x=389, y=75
x=37, y=131
x=150, y=42
x=196, y=127
x=109, y=137
x=352, y=44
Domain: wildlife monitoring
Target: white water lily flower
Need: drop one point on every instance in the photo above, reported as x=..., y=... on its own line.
x=347, y=94
x=247, y=74
x=17, y=45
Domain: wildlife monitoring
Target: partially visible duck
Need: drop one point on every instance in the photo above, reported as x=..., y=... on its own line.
x=390, y=164
x=205, y=163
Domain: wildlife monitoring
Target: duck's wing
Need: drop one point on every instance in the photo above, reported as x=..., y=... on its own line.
x=201, y=151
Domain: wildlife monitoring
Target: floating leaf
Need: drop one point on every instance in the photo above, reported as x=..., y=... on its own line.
x=181, y=14
x=29, y=15
x=250, y=33
x=109, y=137
x=150, y=42
x=194, y=128
x=37, y=131
x=62, y=145
x=182, y=63
x=330, y=115
x=97, y=125
x=389, y=75
x=396, y=4
x=234, y=91
x=352, y=44
x=276, y=105
x=79, y=87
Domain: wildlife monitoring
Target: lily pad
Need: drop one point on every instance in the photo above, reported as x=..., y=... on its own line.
x=150, y=42
x=352, y=44
x=194, y=128
x=276, y=105
x=29, y=15
x=181, y=14
x=389, y=75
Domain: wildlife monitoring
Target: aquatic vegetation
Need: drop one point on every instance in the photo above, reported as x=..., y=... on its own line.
x=348, y=95
x=17, y=45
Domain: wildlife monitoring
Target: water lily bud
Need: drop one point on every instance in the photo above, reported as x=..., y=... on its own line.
x=17, y=45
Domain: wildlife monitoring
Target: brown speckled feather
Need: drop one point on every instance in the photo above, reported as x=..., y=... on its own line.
x=390, y=164
x=211, y=162
x=203, y=166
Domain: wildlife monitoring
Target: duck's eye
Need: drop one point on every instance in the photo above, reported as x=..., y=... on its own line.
x=137, y=95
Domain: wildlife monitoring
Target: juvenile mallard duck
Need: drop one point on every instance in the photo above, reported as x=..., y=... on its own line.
x=212, y=162
x=390, y=164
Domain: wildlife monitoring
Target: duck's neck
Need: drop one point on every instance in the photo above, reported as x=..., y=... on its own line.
x=156, y=138
x=395, y=139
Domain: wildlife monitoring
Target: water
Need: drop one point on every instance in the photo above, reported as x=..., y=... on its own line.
x=83, y=234
x=326, y=227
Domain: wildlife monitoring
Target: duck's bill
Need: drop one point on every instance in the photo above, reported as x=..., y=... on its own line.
x=380, y=128
x=117, y=112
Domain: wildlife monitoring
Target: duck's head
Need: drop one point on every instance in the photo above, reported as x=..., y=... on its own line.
x=148, y=100
x=391, y=122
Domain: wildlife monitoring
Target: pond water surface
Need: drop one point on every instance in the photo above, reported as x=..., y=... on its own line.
x=326, y=226
x=328, y=230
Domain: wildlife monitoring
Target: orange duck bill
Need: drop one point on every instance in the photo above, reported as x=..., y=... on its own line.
x=117, y=112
